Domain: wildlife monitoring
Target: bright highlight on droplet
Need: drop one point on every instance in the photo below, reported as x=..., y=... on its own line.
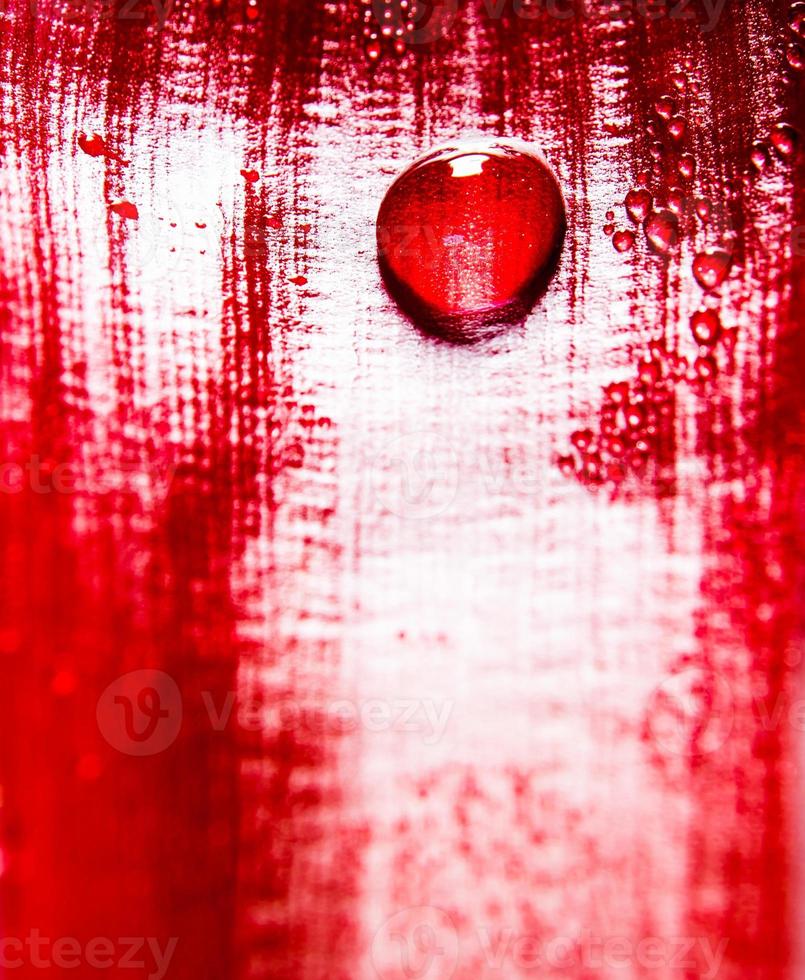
x=469, y=234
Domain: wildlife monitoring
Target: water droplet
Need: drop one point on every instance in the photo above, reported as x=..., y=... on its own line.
x=582, y=439
x=373, y=50
x=649, y=372
x=623, y=240
x=759, y=157
x=784, y=139
x=679, y=81
x=676, y=200
x=609, y=229
x=705, y=326
x=610, y=215
x=617, y=393
x=250, y=175
x=469, y=234
x=797, y=19
x=96, y=146
x=662, y=231
x=710, y=267
x=677, y=127
x=298, y=280
x=125, y=209
x=796, y=56
x=567, y=465
x=638, y=204
x=665, y=106
x=703, y=209
x=705, y=367
x=687, y=166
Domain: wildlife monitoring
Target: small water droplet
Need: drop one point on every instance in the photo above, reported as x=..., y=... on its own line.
x=784, y=139
x=795, y=55
x=687, y=166
x=638, y=204
x=677, y=127
x=711, y=266
x=759, y=157
x=610, y=215
x=703, y=209
x=623, y=240
x=676, y=200
x=252, y=176
x=567, y=465
x=679, y=81
x=373, y=50
x=125, y=209
x=705, y=326
x=662, y=231
x=582, y=439
x=609, y=229
x=468, y=235
x=705, y=367
x=665, y=106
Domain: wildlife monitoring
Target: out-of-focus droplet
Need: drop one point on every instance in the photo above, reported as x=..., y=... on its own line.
x=649, y=371
x=687, y=166
x=665, y=106
x=662, y=231
x=623, y=240
x=469, y=234
x=582, y=439
x=676, y=200
x=705, y=367
x=705, y=325
x=797, y=19
x=679, y=81
x=711, y=266
x=759, y=157
x=567, y=465
x=795, y=55
x=677, y=127
x=703, y=209
x=373, y=50
x=638, y=204
x=784, y=140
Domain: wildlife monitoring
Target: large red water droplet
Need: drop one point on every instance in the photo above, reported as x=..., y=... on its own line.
x=710, y=267
x=638, y=204
x=662, y=231
x=468, y=235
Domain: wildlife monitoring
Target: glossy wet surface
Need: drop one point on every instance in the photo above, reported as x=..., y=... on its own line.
x=459, y=661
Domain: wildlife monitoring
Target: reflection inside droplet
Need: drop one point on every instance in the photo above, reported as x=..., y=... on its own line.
x=468, y=236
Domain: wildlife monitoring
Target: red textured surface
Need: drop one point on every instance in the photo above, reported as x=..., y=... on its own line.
x=575, y=550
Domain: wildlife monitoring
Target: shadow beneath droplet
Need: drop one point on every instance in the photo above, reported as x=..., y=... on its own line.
x=479, y=325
